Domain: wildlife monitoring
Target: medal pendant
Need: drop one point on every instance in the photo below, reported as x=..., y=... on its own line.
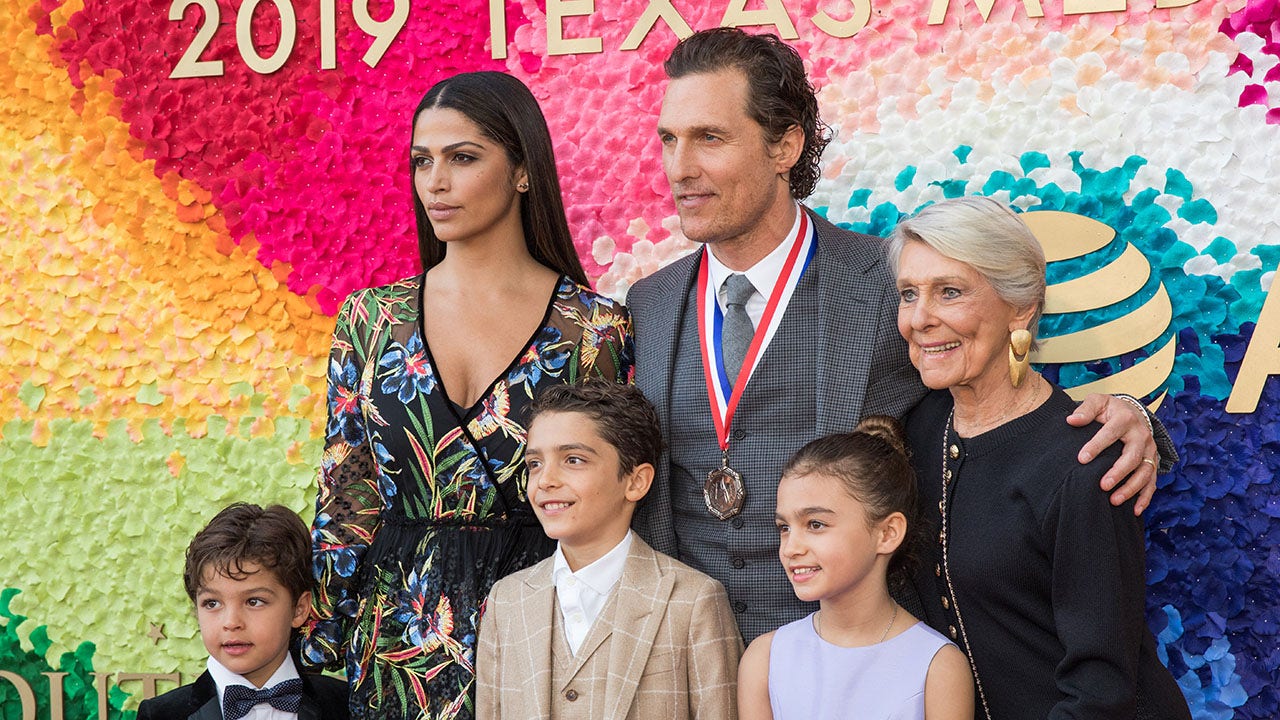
x=724, y=492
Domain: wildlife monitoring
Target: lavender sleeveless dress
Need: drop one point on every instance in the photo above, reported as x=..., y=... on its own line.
x=811, y=678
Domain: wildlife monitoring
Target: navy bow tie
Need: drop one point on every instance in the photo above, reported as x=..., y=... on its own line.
x=238, y=700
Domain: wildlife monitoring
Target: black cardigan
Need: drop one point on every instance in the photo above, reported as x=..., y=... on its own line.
x=1048, y=576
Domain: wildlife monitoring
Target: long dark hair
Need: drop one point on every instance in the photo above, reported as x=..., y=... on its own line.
x=507, y=113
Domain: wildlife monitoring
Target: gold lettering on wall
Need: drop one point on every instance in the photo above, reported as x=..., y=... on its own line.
x=557, y=43
x=656, y=9
x=848, y=27
x=1261, y=358
x=149, y=681
x=55, y=694
x=100, y=680
x=938, y=9
x=497, y=30
x=1087, y=7
x=25, y=696
x=773, y=13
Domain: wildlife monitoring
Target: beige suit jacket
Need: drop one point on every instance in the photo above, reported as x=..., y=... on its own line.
x=672, y=644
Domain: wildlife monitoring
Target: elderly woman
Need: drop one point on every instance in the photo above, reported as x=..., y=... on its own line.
x=1034, y=574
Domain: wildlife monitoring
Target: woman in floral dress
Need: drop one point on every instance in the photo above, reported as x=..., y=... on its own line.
x=422, y=503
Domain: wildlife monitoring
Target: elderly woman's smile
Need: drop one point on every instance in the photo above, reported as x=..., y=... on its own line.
x=956, y=326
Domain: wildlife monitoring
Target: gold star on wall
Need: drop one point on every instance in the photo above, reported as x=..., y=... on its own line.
x=156, y=633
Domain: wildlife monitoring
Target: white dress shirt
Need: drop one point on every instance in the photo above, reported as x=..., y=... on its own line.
x=582, y=594
x=763, y=275
x=222, y=677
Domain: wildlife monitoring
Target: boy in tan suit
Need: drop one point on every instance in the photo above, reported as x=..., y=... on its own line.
x=606, y=628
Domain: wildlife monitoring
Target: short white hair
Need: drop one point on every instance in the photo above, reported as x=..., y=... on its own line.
x=987, y=236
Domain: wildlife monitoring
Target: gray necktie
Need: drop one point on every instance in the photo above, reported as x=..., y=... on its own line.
x=735, y=336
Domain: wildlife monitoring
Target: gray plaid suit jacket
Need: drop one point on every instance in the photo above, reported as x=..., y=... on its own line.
x=672, y=647
x=861, y=368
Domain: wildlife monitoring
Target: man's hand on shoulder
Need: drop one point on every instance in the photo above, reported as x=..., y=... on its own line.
x=1123, y=421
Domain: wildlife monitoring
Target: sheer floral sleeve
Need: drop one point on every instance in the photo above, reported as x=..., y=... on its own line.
x=350, y=500
x=606, y=350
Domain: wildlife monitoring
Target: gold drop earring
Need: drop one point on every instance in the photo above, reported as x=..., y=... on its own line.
x=1019, y=355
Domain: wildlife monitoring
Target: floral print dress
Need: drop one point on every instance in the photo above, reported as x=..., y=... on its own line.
x=422, y=503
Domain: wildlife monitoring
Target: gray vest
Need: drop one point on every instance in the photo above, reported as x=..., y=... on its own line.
x=775, y=417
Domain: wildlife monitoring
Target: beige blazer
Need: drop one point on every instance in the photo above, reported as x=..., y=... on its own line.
x=672, y=645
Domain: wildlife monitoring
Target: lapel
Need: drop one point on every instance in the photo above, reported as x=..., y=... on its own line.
x=848, y=316
x=538, y=603
x=641, y=602
x=204, y=698
x=656, y=348
x=211, y=710
x=308, y=710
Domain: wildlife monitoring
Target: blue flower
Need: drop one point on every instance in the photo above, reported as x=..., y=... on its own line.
x=547, y=356
x=422, y=624
x=407, y=371
x=341, y=558
x=317, y=649
x=345, y=418
x=386, y=485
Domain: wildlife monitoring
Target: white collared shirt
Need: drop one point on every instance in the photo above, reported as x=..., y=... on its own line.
x=222, y=677
x=582, y=594
x=763, y=275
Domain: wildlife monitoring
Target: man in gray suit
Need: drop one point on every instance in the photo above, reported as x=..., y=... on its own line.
x=741, y=144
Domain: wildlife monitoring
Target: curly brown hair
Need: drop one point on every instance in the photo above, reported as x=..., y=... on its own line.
x=275, y=539
x=779, y=93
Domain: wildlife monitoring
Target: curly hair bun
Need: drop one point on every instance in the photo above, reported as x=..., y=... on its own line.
x=886, y=428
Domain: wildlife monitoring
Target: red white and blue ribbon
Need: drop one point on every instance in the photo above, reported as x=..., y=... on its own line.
x=723, y=395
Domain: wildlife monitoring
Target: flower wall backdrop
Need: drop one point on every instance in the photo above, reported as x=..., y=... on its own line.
x=174, y=250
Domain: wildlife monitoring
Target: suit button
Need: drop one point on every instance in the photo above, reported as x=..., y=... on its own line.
x=937, y=570
x=737, y=523
x=950, y=628
x=739, y=563
x=571, y=695
x=946, y=603
x=739, y=607
x=739, y=434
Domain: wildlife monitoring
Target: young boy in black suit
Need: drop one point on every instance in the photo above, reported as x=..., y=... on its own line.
x=249, y=574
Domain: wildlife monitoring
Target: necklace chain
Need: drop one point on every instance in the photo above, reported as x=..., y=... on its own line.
x=1019, y=409
x=946, y=570
x=817, y=623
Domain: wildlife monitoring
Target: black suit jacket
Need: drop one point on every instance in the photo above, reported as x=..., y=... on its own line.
x=323, y=698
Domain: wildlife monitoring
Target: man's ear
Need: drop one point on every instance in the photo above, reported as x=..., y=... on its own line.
x=786, y=152
x=638, y=482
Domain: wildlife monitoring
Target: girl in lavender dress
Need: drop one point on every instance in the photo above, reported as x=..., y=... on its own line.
x=846, y=504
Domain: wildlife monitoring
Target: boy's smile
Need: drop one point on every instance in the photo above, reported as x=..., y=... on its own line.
x=577, y=487
x=245, y=624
